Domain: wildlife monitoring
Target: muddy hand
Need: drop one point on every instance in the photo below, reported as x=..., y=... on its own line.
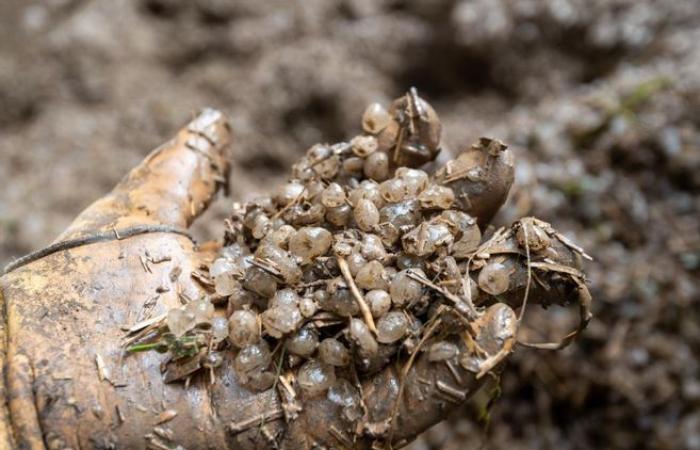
x=125, y=258
x=66, y=380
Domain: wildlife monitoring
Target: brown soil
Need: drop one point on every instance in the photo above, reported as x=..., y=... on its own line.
x=599, y=100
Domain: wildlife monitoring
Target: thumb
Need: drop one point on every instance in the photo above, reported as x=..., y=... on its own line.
x=171, y=187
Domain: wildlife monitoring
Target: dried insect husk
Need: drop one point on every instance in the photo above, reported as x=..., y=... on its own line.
x=377, y=166
x=372, y=276
x=442, y=351
x=373, y=363
x=468, y=242
x=480, y=177
x=307, y=307
x=244, y=328
x=281, y=320
x=427, y=238
x=555, y=274
x=375, y=118
x=303, y=343
x=289, y=193
x=260, y=281
x=309, y=243
x=251, y=361
x=332, y=352
x=281, y=261
x=391, y=327
x=495, y=276
x=436, y=196
x=315, y=378
x=340, y=300
x=369, y=190
x=372, y=248
x=344, y=394
x=532, y=234
x=333, y=196
x=339, y=216
x=404, y=289
x=379, y=302
x=366, y=215
x=415, y=181
x=412, y=136
x=363, y=146
x=496, y=327
x=280, y=237
x=362, y=336
x=402, y=215
x=305, y=214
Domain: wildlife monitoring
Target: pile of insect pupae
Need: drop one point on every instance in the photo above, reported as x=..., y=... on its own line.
x=339, y=271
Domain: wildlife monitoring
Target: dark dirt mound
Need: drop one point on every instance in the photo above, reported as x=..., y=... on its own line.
x=599, y=100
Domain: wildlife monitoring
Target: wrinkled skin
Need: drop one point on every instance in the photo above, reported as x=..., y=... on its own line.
x=63, y=313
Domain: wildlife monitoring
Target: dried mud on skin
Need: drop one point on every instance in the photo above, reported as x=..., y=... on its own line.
x=553, y=79
x=361, y=262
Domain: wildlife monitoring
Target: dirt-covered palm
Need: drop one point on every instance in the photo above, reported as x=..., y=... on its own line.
x=67, y=380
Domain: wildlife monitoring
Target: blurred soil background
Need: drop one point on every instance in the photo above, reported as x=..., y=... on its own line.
x=599, y=98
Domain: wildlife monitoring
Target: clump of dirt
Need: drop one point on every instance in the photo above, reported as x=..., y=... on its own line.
x=362, y=260
x=597, y=99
